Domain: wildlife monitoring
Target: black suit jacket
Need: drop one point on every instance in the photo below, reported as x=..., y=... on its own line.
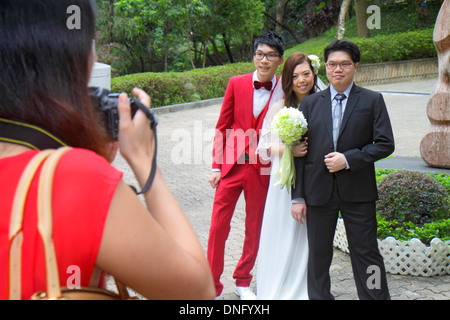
x=365, y=137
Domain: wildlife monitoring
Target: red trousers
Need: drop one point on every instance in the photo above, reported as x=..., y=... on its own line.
x=241, y=177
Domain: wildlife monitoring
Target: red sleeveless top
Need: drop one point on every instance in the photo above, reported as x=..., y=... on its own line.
x=84, y=186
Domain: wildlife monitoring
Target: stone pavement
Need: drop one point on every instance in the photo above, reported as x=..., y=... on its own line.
x=184, y=156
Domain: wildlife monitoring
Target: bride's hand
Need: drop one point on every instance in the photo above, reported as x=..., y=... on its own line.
x=300, y=150
x=298, y=212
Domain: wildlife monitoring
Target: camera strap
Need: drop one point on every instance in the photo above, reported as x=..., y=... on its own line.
x=37, y=138
x=28, y=135
x=153, y=124
x=149, y=182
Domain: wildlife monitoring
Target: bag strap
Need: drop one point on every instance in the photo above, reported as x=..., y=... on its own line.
x=51, y=158
x=15, y=227
x=45, y=226
x=121, y=288
x=45, y=221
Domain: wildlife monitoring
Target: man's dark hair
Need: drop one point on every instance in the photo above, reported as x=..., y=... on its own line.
x=343, y=45
x=272, y=40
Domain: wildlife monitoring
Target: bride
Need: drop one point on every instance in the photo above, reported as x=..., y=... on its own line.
x=283, y=251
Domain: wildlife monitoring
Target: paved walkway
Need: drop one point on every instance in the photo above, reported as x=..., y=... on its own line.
x=185, y=144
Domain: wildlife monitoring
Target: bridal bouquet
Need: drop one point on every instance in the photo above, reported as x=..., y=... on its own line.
x=290, y=125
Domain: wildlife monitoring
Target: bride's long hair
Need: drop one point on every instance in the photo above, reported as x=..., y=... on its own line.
x=286, y=79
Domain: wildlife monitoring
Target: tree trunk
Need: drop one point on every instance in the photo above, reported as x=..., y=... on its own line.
x=227, y=47
x=111, y=25
x=187, y=34
x=279, y=15
x=213, y=42
x=188, y=42
x=166, y=66
x=361, y=18
x=421, y=10
x=285, y=27
x=205, y=45
x=341, y=22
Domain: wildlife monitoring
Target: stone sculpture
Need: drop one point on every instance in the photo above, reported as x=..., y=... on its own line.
x=435, y=145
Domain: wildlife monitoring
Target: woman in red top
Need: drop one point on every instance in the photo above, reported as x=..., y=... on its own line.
x=98, y=221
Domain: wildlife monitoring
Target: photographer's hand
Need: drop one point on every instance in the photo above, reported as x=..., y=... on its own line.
x=136, y=141
x=172, y=263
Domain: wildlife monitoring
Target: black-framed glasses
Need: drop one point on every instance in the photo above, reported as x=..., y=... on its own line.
x=343, y=65
x=270, y=56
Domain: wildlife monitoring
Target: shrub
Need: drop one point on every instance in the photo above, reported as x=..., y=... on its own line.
x=199, y=84
x=409, y=196
x=315, y=23
x=396, y=47
x=407, y=231
x=180, y=87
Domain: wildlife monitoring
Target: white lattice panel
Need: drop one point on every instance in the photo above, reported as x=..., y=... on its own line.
x=406, y=257
x=340, y=236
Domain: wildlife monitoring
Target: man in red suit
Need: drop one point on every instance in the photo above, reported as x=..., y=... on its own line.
x=236, y=166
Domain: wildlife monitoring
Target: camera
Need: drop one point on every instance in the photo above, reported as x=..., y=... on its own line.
x=106, y=102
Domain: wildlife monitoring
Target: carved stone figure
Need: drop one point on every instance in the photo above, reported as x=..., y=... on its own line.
x=435, y=145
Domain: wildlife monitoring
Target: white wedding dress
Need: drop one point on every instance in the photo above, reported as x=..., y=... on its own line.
x=283, y=249
x=282, y=263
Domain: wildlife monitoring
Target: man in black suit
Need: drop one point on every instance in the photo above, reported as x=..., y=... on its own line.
x=348, y=130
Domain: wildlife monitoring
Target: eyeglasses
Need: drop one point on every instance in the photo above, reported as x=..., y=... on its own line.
x=343, y=65
x=270, y=56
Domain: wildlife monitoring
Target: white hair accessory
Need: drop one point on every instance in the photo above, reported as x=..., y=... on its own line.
x=315, y=61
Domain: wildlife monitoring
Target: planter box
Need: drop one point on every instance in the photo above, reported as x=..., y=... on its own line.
x=396, y=71
x=406, y=257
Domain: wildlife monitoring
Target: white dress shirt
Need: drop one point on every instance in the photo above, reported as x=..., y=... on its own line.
x=344, y=102
x=334, y=92
x=261, y=96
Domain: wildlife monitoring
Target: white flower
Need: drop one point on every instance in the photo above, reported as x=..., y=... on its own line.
x=289, y=124
x=315, y=61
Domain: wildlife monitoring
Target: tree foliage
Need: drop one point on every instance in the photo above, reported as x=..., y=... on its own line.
x=181, y=34
x=137, y=36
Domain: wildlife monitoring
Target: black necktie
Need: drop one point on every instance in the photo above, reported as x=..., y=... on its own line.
x=267, y=85
x=337, y=117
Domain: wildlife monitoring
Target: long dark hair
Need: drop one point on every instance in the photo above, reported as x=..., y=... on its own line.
x=286, y=78
x=44, y=68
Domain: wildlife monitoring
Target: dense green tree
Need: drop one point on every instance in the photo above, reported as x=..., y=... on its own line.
x=233, y=22
x=286, y=15
x=119, y=43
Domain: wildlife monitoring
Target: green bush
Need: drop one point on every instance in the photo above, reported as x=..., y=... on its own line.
x=407, y=231
x=179, y=87
x=397, y=46
x=395, y=227
x=409, y=196
x=199, y=84
x=443, y=179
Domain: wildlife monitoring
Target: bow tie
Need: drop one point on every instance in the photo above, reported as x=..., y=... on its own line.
x=267, y=85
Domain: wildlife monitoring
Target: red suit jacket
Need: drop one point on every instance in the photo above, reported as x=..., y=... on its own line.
x=237, y=130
